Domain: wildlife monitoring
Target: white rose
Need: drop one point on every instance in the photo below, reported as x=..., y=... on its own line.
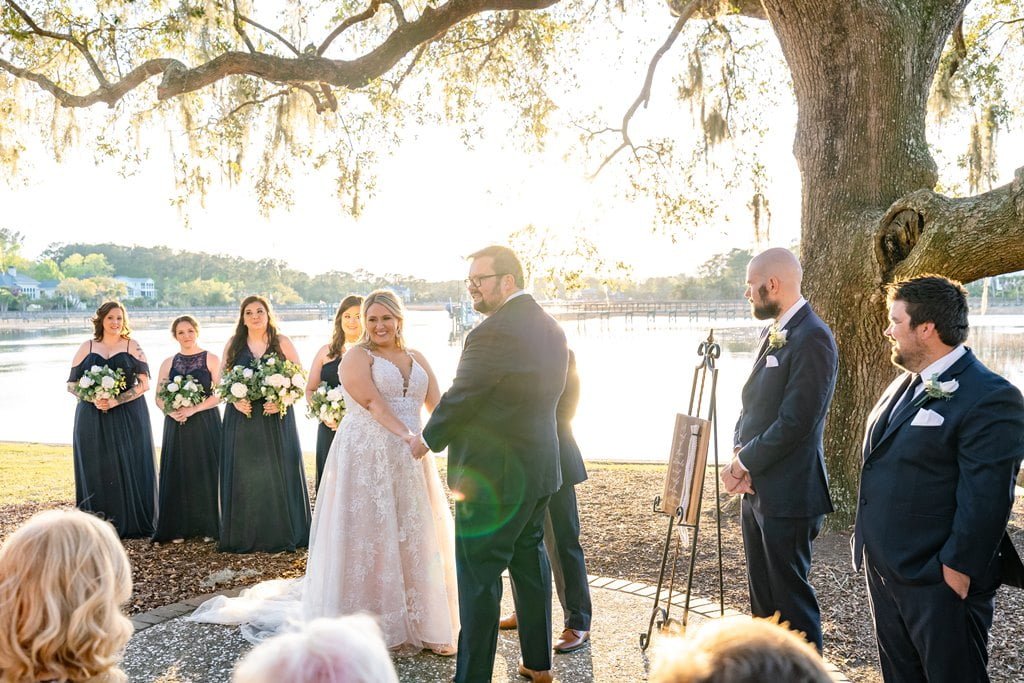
x=323, y=411
x=95, y=368
x=179, y=379
x=949, y=387
x=85, y=382
x=334, y=395
x=271, y=361
x=322, y=390
x=172, y=387
x=108, y=383
x=180, y=401
x=247, y=373
x=238, y=390
x=298, y=380
x=285, y=382
x=190, y=386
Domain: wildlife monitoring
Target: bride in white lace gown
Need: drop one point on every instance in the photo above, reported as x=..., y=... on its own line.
x=382, y=539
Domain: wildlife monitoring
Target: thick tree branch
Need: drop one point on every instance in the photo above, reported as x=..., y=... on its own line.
x=108, y=95
x=179, y=79
x=713, y=8
x=966, y=238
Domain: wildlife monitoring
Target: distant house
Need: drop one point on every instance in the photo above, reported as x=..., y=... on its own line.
x=19, y=284
x=48, y=287
x=138, y=287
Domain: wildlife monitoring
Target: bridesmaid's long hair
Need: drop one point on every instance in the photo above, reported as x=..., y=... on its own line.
x=101, y=313
x=390, y=301
x=337, y=346
x=238, y=340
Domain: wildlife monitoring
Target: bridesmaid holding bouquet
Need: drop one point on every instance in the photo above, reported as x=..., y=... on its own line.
x=348, y=328
x=190, y=457
x=263, y=495
x=115, y=464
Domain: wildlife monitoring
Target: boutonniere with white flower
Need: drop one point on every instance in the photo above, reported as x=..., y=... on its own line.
x=776, y=337
x=933, y=388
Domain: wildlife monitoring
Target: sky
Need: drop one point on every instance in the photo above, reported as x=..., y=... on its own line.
x=419, y=223
x=436, y=200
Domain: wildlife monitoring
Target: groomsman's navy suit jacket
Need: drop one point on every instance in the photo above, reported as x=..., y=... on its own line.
x=498, y=418
x=780, y=427
x=934, y=495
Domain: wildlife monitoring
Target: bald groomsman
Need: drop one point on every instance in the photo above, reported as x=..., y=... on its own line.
x=779, y=462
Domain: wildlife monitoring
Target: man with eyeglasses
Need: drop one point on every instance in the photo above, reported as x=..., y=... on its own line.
x=498, y=423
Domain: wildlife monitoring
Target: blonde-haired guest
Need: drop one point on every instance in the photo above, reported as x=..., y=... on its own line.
x=63, y=579
x=343, y=650
x=739, y=651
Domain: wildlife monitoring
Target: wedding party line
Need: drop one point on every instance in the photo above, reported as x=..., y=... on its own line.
x=382, y=538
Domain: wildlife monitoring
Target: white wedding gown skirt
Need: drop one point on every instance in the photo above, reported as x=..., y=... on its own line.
x=382, y=540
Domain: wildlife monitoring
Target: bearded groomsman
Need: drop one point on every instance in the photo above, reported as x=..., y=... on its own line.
x=941, y=452
x=779, y=461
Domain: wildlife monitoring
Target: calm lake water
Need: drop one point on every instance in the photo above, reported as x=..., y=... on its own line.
x=634, y=380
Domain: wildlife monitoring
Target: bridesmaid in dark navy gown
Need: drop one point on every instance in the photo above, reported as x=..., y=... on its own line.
x=348, y=328
x=263, y=495
x=115, y=466
x=190, y=456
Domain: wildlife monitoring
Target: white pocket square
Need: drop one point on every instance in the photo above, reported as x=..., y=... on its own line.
x=771, y=362
x=927, y=418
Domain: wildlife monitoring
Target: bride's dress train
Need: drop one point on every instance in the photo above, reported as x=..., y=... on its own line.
x=382, y=539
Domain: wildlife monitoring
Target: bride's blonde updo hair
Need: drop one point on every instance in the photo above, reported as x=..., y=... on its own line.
x=390, y=301
x=63, y=578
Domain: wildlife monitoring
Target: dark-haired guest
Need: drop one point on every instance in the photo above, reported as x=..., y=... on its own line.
x=190, y=455
x=941, y=453
x=348, y=328
x=115, y=463
x=264, y=501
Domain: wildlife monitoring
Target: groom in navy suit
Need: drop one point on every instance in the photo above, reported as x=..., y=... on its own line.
x=941, y=452
x=779, y=461
x=498, y=423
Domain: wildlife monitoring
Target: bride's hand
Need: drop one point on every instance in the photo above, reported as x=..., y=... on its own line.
x=413, y=440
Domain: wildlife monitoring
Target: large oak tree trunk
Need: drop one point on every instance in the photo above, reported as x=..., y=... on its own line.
x=861, y=74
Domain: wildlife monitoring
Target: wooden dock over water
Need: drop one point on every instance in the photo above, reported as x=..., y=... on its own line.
x=672, y=312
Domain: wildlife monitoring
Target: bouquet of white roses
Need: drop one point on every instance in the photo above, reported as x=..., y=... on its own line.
x=238, y=384
x=327, y=405
x=281, y=382
x=100, y=381
x=180, y=392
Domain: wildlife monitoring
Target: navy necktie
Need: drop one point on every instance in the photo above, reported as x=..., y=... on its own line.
x=906, y=398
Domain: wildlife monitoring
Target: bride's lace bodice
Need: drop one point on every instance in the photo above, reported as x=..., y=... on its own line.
x=405, y=401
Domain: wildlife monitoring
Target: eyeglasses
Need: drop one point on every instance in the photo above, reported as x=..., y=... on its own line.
x=479, y=279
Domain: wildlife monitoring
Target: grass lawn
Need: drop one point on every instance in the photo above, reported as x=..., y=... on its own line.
x=44, y=473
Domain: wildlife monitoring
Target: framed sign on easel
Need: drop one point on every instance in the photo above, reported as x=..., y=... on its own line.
x=683, y=490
